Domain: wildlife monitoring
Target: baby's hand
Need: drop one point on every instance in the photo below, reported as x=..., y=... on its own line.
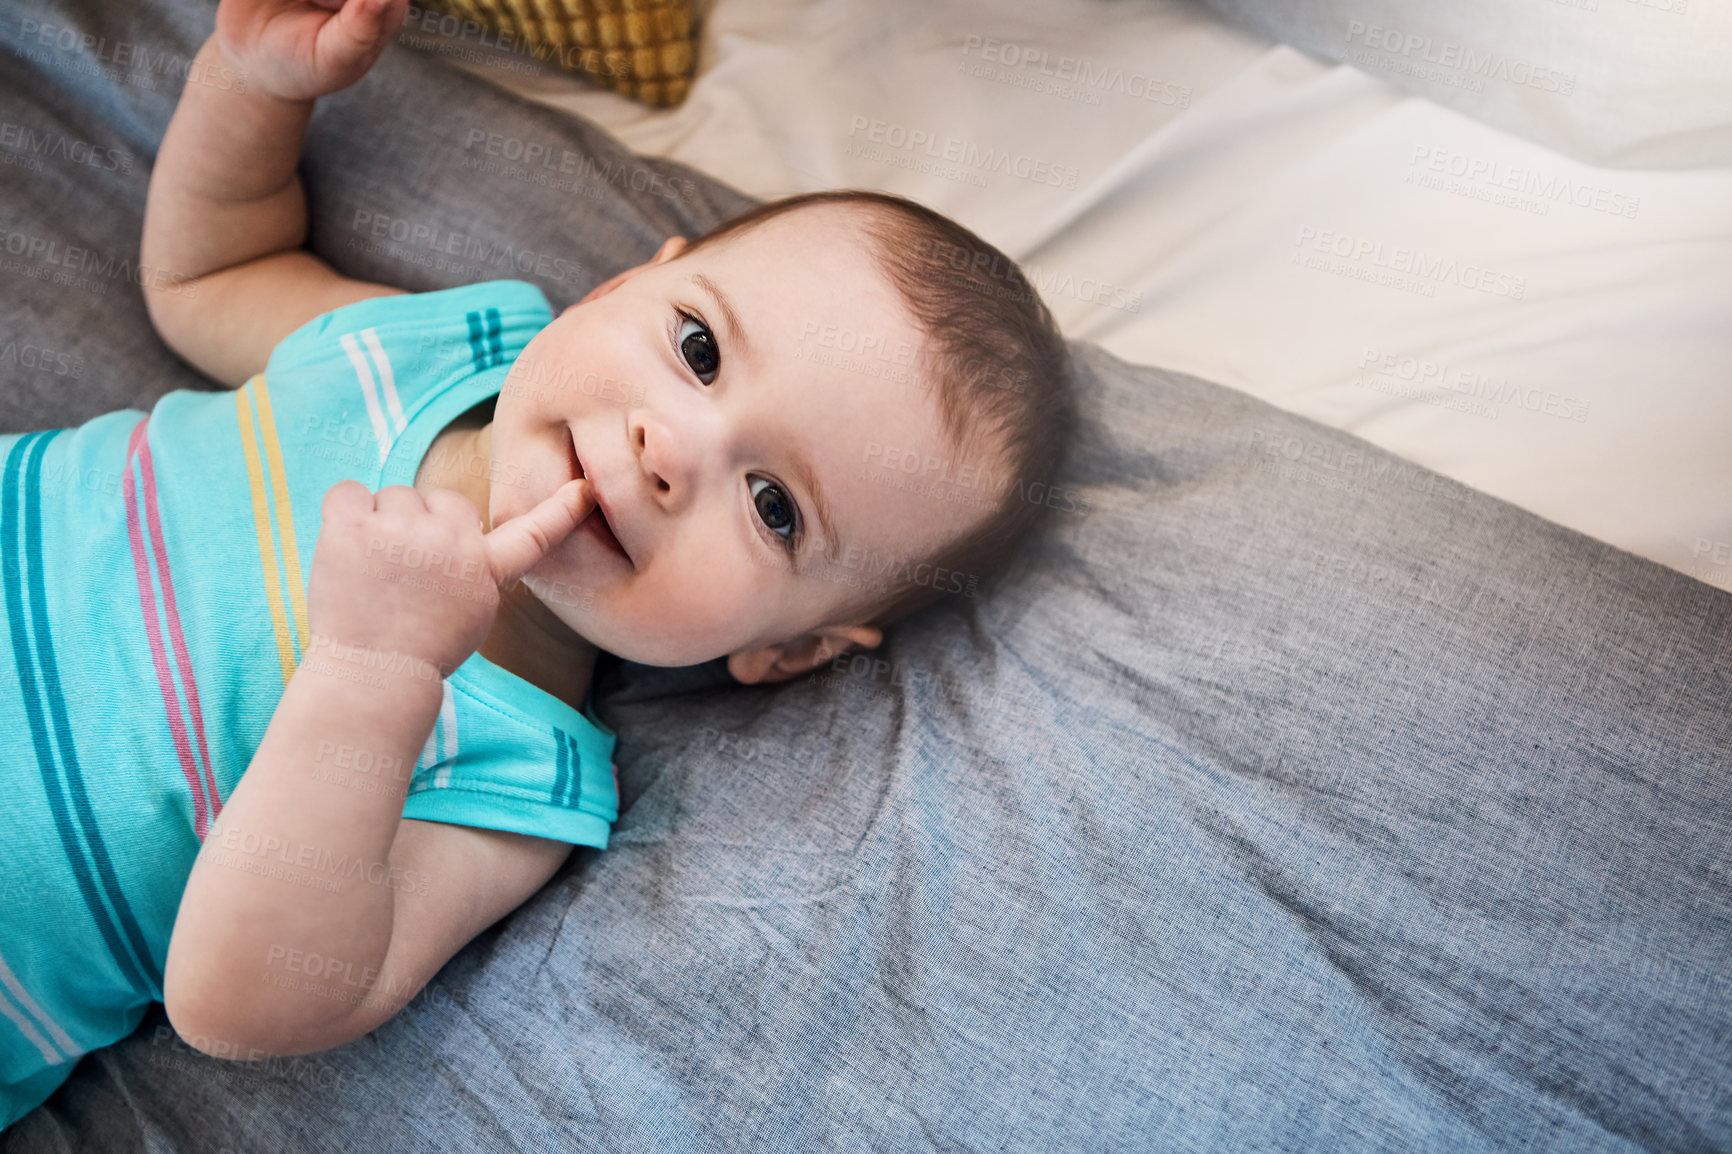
x=305, y=49
x=410, y=574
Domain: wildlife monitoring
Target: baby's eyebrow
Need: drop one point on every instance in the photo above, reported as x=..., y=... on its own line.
x=809, y=481
x=736, y=332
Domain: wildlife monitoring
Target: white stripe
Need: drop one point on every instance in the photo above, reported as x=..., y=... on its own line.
x=29, y=1032
x=448, y=720
x=387, y=381
x=428, y=754
x=365, y=376
x=66, y=1044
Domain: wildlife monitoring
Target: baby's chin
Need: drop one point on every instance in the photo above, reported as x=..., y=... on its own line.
x=568, y=598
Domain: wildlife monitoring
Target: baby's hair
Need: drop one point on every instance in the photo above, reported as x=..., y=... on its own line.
x=999, y=366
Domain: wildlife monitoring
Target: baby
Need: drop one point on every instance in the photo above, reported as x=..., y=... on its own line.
x=299, y=678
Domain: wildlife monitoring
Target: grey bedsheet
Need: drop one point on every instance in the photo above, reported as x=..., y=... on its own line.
x=1289, y=797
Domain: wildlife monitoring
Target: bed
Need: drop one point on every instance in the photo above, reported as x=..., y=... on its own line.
x=1296, y=792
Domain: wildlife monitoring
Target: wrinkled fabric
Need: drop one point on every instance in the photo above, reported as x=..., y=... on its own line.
x=1286, y=797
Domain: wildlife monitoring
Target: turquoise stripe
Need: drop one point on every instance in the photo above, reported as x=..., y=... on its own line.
x=576, y=769
x=494, y=347
x=63, y=726
x=475, y=351
x=31, y=548
x=559, y=761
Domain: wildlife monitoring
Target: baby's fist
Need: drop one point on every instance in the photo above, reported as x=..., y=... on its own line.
x=305, y=49
x=403, y=573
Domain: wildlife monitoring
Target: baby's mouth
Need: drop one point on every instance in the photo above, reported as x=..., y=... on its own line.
x=595, y=523
x=571, y=458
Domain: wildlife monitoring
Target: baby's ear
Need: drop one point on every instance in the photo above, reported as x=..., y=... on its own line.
x=801, y=654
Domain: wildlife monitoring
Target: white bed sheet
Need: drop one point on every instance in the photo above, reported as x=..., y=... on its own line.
x=1189, y=195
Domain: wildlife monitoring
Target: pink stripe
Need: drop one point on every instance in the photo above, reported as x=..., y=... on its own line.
x=141, y=567
x=176, y=637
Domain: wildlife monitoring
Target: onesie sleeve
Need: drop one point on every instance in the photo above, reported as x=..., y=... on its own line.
x=505, y=755
x=385, y=354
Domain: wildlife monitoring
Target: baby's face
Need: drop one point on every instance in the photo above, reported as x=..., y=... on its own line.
x=712, y=443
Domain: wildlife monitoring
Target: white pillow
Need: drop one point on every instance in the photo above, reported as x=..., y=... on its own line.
x=1619, y=83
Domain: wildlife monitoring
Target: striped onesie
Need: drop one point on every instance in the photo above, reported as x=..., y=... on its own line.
x=153, y=574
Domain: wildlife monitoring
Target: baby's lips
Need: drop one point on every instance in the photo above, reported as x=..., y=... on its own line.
x=586, y=498
x=581, y=505
x=512, y=546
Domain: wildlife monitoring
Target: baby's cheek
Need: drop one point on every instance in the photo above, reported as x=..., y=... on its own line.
x=724, y=601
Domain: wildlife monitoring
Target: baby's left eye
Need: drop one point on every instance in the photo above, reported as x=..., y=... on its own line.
x=699, y=348
x=775, y=508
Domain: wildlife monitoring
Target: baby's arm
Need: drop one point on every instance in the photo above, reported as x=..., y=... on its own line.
x=297, y=868
x=225, y=215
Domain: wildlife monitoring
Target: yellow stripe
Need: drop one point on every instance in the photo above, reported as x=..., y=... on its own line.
x=262, y=524
x=285, y=513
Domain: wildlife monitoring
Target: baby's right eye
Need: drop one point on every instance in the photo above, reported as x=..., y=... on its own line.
x=698, y=350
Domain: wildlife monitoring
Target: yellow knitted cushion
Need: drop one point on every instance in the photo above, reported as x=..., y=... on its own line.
x=638, y=48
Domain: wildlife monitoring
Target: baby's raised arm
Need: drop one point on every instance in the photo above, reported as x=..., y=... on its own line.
x=397, y=898
x=225, y=216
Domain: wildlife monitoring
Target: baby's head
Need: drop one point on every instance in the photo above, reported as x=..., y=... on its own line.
x=746, y=408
